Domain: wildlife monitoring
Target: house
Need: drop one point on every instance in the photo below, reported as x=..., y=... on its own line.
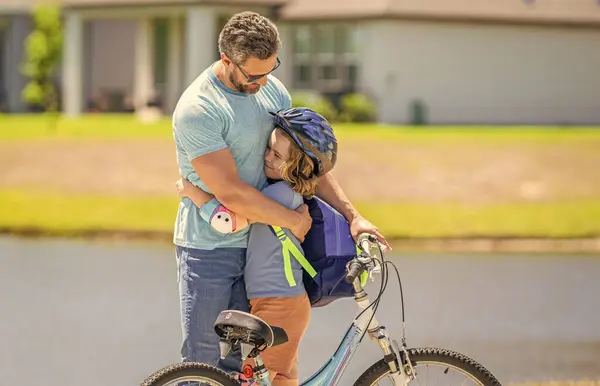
x=465, y=61
x=15, y=24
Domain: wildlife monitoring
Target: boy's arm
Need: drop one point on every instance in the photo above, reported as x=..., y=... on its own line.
x=200, y=198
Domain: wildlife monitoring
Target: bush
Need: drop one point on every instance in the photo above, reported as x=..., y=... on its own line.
x=357, y=108
x=315, y=102
x=43, y=49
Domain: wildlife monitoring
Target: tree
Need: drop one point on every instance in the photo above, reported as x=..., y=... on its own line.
x=43, y=51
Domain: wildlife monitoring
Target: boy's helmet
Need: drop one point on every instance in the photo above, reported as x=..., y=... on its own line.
x=312, y=133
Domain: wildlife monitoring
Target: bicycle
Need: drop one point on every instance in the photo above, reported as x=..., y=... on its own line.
x=245, y=332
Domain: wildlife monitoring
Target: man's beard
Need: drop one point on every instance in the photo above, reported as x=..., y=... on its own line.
x=250, y=88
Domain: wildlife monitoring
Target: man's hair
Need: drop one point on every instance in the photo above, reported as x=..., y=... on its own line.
x=249, y=34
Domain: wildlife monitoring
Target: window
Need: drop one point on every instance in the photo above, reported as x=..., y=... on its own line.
x=352, y=41
x=326, y=39
x=302, y=73
x=221, y=21
x=352, y=74
x=161, y=30
x=326, y=56
x=302, y=56
x=302, y=41
x=327, y=72
x=3, y=87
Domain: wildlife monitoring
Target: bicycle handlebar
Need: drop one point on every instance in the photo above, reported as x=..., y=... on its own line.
x=365, y=240
x=356, y=269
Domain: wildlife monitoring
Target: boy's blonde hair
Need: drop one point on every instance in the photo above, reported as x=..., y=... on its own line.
x=298, y=169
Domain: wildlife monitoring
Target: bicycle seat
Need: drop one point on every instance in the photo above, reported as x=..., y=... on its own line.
x=239, y=325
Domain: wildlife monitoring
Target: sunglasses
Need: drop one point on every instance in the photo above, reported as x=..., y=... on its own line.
x=254, y=78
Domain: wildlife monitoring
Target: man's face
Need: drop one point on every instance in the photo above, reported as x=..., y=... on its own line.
x=254, y=70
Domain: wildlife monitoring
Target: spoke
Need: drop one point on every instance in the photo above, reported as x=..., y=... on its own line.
x=419, y=379
x=466, y=379
x=443, y=378
x=438, y=378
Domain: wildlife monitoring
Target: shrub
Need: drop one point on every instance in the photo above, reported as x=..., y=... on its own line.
x=43, y=48
x=357, y=108
x=316, y=102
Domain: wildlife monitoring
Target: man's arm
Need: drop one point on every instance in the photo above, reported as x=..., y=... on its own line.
x=218, y=172
x=331, y=192
x=199, y=130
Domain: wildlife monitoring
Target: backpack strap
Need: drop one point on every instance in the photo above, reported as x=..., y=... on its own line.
x=288, y=247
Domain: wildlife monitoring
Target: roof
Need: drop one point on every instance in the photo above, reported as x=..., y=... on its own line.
x=561, y=11
x=8, y=6
x=530, y=11
x=104, y=3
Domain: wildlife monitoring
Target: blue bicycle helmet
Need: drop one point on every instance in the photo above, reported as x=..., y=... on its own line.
x=312, y=133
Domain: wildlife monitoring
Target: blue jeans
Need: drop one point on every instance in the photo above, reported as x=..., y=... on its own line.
x=209, y=282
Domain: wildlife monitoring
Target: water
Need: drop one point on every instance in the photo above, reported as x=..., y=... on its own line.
x=73, y=313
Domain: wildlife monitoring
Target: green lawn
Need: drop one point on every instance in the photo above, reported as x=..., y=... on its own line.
x=23, y=127
x=59, y=213
x=55, y=213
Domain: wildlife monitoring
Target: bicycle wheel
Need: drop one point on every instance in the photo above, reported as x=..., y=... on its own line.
x=436, y=367
x=192, y=374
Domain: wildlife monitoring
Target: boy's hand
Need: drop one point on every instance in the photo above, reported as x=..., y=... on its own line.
x=183, y=187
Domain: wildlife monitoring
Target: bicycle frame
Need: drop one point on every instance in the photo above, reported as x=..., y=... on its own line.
x=331, y=372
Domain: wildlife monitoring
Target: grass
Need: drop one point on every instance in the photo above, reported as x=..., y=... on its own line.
x=56, y=214
x=26, y=127
x=557, y=219
x=115, y=126
x=52, y=212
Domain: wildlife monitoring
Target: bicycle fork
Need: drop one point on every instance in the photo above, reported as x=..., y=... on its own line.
x=378, y=333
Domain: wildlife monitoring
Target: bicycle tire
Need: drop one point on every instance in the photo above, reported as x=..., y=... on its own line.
x=427, y=355
x=176, y=371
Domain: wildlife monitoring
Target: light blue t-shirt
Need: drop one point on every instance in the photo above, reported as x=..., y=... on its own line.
x=208, y=117
x=264, y=273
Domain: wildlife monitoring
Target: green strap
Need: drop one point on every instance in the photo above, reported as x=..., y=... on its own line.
x=287, y=247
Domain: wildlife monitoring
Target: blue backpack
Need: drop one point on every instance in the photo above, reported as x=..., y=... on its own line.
x=328, y=247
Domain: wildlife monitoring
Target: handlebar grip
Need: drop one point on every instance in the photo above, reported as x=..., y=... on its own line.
x=366, y=240
x=355, y=270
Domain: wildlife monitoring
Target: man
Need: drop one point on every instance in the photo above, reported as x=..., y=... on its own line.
x=221, y=127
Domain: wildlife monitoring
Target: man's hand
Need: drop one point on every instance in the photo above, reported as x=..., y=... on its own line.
x=361, y=225
x=301, y=228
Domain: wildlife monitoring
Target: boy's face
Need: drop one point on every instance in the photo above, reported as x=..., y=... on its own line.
x=277, y=152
